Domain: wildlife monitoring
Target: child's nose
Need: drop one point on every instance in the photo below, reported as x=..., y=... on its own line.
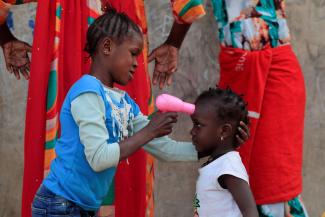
x=135, y=62
x=192, y=132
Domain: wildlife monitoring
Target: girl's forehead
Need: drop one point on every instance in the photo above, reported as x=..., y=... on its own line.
x=134, y=40
x=134, y=37
x=204, y=111
x=205, y=107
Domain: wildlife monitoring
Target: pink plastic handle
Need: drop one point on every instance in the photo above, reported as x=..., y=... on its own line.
x=168, y=103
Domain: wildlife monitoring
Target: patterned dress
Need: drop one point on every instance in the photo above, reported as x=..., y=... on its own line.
x=251, y=24
x=256, y=60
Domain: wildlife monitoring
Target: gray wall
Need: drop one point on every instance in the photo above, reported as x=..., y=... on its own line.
x=13, y=96
x=198, y=69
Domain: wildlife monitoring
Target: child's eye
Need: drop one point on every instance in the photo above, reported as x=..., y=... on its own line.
x=134, y=53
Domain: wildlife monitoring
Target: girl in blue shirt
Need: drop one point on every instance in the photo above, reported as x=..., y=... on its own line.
x=102, y=125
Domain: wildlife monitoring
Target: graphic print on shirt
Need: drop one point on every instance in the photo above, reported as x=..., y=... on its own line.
x=121, y=114
x=196, y=205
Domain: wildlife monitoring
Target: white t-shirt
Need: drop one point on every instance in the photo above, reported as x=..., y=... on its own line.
x=211, y=200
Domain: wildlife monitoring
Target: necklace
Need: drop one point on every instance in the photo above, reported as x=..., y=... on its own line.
x=212, y=158
x=120, y=115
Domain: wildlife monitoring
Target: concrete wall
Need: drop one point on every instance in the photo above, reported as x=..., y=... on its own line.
x=13, y=96
x=198, y=69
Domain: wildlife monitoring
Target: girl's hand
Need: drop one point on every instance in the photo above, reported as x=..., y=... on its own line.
x=166, y=58
x=161, y=124
x=243, y=133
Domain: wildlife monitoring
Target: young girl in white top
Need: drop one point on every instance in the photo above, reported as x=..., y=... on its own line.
x=222, y=188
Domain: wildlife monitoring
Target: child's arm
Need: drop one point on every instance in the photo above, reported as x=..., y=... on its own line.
x=160, y=125
x=164, y=148
x=242, y=194
x=88, y=111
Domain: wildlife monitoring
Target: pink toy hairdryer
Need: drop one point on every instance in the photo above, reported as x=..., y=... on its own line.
x=168, y=103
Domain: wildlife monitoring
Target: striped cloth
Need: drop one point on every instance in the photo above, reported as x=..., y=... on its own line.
x=187, y=11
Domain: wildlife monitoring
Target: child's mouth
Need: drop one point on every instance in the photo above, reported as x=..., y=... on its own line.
x=131, y=75
x=194, y=141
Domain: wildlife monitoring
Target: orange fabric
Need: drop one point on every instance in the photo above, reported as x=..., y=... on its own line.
x=49, y=155
x=193, y=14
x=187, y=11
x=4, y=10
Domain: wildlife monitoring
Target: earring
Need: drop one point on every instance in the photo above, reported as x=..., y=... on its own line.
x=221, y=138
x=106, y=52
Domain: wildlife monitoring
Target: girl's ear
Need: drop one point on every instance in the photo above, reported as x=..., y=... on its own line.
x=106, y=47
x=226, y=130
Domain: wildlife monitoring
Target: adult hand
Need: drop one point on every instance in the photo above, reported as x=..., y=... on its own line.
x=166, y=59
x=243, y=133
x=16, y=58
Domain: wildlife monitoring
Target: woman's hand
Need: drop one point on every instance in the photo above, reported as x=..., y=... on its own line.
x=244, y=134
x=16, y=58
x=166, y=59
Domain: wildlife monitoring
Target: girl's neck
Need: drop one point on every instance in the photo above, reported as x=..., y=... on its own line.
x=218, y=152
x=97, y=71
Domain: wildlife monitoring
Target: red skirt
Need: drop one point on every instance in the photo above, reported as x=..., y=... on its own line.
x=273, y=85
